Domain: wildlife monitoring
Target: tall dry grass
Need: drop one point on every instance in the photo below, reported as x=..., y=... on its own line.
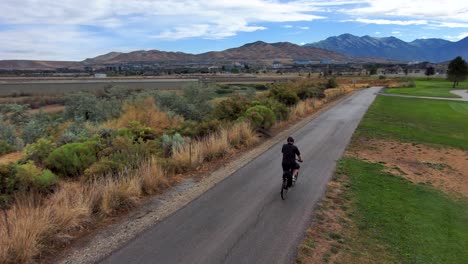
x=35, y=222
x=146, y=113
x=193, y=154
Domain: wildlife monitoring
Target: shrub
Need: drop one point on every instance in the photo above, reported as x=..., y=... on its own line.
x=140, y=131
x=8, y=180
x=231, y=108
x=146, y=113
x=7, y=133
x=103, y=167
x=39, y=151
x=199, y=129
x=260, y=116
x=77, y=131
x=284, y=95
x=5, y=148
x=37, y=126
x=87, y=107
x=281, y=111
x=193, y=104
x=31, y=177
x=331, y=83
x=261, y=87
x=172, y=143
x=382, y=77
x=73, y=158
x=18, y=113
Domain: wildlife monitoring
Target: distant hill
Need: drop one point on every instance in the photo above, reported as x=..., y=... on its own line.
x=256, y=52
x=38, y=65
x=433, y=50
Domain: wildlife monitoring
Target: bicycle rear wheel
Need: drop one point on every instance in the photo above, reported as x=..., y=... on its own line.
x=284, y=189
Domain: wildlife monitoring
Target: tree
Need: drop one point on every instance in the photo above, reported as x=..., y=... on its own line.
x=457, y=70
x=429, y=71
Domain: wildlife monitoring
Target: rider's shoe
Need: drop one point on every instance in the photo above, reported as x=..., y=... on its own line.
x=294, y=178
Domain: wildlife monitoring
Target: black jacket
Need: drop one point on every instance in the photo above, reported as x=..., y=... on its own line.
x=289, y=153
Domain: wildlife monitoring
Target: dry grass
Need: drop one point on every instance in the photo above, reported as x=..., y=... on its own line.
x=216, y=145
x=153, y=177
x=30, y=228
x=241, y=134
x=35, y=222
x=146, y=113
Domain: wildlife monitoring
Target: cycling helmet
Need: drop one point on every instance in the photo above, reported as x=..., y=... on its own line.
x=290, y=140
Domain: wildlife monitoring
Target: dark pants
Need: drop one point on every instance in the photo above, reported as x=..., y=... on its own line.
x=288, y=169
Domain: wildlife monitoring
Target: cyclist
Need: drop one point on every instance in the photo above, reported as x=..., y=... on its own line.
x=290, y=151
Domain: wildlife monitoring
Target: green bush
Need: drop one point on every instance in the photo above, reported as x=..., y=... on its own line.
x=126, y=152
x=260, y=116
x=281, y=111
x=171, y=143
x=199, y=129
x=331, y=83
x=8, y=181
x=305, y=92
x=105, y=166
x=38, y=125
x=284, y=95
x=231, y=108
x=193, y=104
x=140, y=131
x=6, y=148
x=73, y=158
x=77, y=131
x=261, y=87
x=40, y=150
x=30, y=177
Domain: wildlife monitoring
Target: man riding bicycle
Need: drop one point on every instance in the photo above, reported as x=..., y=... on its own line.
x=289, y=164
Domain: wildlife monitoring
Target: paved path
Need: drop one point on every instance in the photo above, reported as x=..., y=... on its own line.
x=462, y=93
x=243, y=219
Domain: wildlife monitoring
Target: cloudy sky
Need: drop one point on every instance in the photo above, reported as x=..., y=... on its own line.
x=79, y=29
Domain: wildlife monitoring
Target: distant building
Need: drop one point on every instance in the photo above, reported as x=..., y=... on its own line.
x=100, y=75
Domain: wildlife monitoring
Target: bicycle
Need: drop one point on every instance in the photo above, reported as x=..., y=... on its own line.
x=288, y=181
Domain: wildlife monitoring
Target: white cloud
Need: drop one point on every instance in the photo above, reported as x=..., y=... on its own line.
x=396, y=32
x=304, y=28
x=389, y=22
x=452, y=25
x=50, y=43
x=127, y=20
x=426, y=9
x=287, y=26
x=458, y=37
x=377, y=32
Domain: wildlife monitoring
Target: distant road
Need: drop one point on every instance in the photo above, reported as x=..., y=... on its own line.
x=243, y=219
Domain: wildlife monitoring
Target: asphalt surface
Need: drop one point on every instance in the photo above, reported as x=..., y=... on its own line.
x=243, y=219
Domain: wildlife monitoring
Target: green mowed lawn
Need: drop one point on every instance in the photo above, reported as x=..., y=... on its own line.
x=429, y=121
x=417, y=224
x=431, y=88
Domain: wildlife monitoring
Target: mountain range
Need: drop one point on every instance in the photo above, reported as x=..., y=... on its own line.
x=432, y=50
x=256, y=52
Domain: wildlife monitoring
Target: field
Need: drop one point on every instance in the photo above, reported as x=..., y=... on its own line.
x=399, y=194
x=417, y=120
x=67, y=86
x=431, y=88
x=416, y=223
